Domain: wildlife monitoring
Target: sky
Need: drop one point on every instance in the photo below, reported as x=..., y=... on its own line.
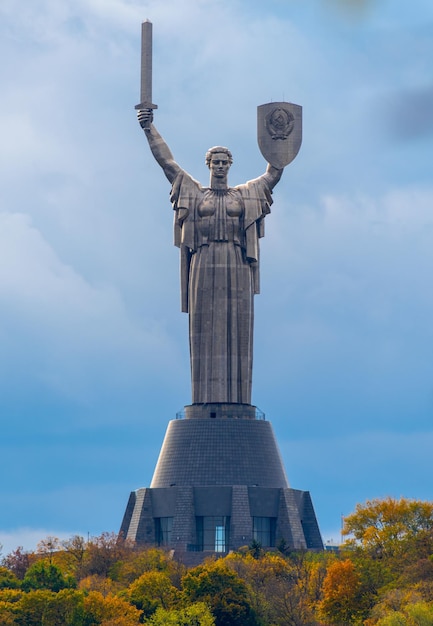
x=93, y=347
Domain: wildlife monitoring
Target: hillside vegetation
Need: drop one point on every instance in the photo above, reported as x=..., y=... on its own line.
x=381, y=576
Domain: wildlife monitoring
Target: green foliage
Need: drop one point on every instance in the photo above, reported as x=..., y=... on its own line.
x=46, y=608
x=255, y=549
x=9, y=599
x=43, y=575
x=283, y=547
x=137, y=563
x=10, y=595
x=74, y=553
x=151, y=591
x=420, y=614
x=8, y=580
x=197, y=614
x=415, y=614
x=223, y=591
x=396, y=618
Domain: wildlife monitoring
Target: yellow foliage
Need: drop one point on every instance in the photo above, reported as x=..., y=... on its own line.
x=340, y=590
x=99, y=583
x=111, y=610
x=388, y=527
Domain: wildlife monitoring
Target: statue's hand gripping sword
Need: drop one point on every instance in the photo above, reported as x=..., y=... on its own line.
x=146, y=68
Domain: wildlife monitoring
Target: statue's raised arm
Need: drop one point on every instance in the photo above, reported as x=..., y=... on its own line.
x=158, y=146
x=272, y=175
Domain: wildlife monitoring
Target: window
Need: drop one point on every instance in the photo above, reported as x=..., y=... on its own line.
x=264, y=531
x=163, y=528
x=213, y=533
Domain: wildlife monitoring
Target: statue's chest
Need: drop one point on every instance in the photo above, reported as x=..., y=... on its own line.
x=212, y=204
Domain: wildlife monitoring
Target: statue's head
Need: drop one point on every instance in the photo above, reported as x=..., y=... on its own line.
x=218, y=150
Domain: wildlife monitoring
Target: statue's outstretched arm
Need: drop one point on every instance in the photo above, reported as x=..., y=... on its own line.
x=158, y=147
x=272, y=175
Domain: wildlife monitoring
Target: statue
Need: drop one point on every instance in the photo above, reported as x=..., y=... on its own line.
x=219, y=482
x=217, y=229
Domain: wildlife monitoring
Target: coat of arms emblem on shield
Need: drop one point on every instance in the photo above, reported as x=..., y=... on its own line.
x=279, y=132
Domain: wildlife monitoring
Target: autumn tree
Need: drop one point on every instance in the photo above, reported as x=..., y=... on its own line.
x=413, y=614
x=151, y=591
x=48, y=546
x=110, y=611
x=17, y=562
x=296, y=604
x=389, y=529
x=341, y=593
x=103, y=552
x=223, y=591
x=47, y=608
x=283, y=590
x=8, y=580
x=75, y=549
x=103, y=584
x=197, y=614
x=137, y=562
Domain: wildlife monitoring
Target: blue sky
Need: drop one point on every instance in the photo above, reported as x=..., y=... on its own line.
x=94, y=350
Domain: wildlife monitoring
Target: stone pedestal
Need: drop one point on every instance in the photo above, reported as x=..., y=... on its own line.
x=219, y=484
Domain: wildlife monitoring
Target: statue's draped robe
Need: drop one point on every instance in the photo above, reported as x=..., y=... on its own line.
x=218, y=233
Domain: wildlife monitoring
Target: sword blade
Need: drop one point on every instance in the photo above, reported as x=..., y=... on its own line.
x=146, y=67
x=146, y=62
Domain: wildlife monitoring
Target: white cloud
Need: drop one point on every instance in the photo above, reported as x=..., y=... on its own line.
x=69, y=325
x=33, y=279
x=28, y=538
x=361, y=247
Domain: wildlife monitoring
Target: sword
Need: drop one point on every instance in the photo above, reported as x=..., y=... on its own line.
x=146, y=67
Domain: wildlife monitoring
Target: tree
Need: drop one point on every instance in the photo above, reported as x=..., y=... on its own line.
x=255, y=549
x=8, y=580
x=48, y=546
x=197, y=614
x=137, y=563
x=295, y=600
x=75, y=548
x=43, y=607
x=103, y=552
x=110, y=610
x=17, y=561
x=389, y=529
x=9, y=599
x=102, y=584
x=152, y=590
x=341, y=593
x=413, y=614
x=43, y=575
x=267, y=577
x=223, y=591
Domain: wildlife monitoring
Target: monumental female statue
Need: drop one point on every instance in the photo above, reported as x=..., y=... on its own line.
x=217, y=229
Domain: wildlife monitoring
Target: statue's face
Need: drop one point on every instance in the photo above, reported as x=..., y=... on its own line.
x=219, y=164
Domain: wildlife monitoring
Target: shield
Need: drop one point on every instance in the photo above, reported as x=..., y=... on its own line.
x=279, y=132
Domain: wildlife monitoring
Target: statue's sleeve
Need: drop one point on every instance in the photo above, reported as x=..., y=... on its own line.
x=257, y=197
x=184, y=197
x=185, y=194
